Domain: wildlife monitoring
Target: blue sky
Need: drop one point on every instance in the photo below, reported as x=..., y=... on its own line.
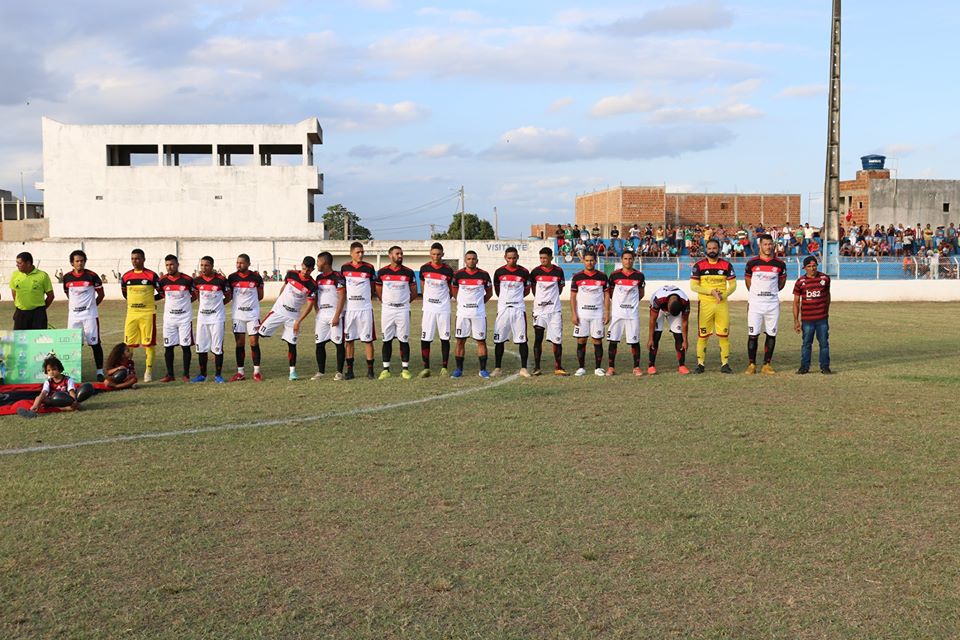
x=526, y=104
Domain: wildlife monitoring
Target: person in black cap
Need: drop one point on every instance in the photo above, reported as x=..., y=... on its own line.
x=811, y=306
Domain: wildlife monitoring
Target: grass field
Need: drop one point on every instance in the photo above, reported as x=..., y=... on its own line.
x=692, y=507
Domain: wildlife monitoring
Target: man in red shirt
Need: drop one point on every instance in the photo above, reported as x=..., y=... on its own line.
x=811, y=306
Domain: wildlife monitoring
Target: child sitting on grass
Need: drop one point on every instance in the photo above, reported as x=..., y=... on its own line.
x=120, y=359
x=53, y=389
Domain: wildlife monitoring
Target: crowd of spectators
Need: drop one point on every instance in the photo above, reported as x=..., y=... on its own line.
x=897, y=241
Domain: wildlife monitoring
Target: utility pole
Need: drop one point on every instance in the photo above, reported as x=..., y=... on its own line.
x=463, y=227
x=496, y=224
x=23, y=195
x=346, y=226
x=831, y=189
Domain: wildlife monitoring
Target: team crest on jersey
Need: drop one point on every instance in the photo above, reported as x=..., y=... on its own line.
x=823, y=283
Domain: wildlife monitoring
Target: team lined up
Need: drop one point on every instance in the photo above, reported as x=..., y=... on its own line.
x=343, y=303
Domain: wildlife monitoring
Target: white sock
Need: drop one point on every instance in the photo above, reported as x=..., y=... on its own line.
x=240, y=370
x=405, y=365
x=256, y=368
x=99, y=372
x=386, y=365
x=293, y=369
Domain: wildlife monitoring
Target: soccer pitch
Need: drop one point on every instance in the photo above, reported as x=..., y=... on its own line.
x=668, y=506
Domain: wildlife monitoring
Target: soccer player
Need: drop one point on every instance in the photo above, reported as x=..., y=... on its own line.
x=472, y=288
x=397, y=288
x=765, y=276
x=360, y=279
x=714, y=281
x=214, y=292
x=624, y=293
x=330, y=301
x=141, y=288
x=587, y=291
x=246, y=287
x=435, y=279
x=511, y=283
x=670, y=308
x=546, y=282
x=84, y=291
x=178, y=294
x=811, y=307
x=290, y=308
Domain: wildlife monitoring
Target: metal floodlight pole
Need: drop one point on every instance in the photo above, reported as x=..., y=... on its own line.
x=463, y=227
x=831, y=200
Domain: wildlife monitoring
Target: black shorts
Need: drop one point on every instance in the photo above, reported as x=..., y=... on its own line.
x=32, y=319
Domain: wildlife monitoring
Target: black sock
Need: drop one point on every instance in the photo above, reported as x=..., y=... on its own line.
x=581, y=354
x=98, y=355
x=202, y=359
x=425, y=353
x=218, y=363
x=369, y=366
x=444, y=353
x=524, y=354
x=187, y=357
x=349, y=363
x=769, y=344
x=635, y=352
x=681, y=352
x=538, y=333
x=652, y=353
x=405, y=353
x=255, y=350
x=168, y=360
x=598, y=354
x=498, y=354
x=241, y=355
x=557, y=354
x=459, y=360
x=752, y=343
x=483, y=362
x=612, y=347
x=292, y=354
x=387, y=351
x=321, y=351
x=341, y=356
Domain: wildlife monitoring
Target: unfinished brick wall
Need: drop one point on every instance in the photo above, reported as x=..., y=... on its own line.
x=855, y=196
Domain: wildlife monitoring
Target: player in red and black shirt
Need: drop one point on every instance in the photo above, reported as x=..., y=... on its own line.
x=472, y=288
x=246, y=286
x=546, y=283
x=811, y=309
x=360, y=280
x=435, y=279
x=511, y=282
x=587, y=292
x=84, y=291
x=624, y=294
x=396, y=287
x=178, y=296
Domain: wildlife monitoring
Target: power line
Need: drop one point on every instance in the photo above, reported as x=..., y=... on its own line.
x=418, y=209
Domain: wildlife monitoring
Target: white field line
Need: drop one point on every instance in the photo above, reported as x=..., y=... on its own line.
x=256, y=425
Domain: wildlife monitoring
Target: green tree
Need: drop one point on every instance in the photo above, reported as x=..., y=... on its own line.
x=333, y=222
x=477, y=229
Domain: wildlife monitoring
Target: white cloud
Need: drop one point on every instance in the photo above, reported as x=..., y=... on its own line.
x=560, y=103
x=722, y=113
x=638, y=101
x=375, y=5
x=803, y=91
x=370, y=151
x=696, y=16
x=438, y=151
x=899, y=150
x=354, y=116
x=464, y=16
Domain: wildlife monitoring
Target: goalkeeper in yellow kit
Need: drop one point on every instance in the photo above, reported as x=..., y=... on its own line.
x=714, y=281
x=141, y=289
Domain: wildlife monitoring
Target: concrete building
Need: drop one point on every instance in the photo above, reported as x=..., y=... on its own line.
x=876, y=198
x=176, y=181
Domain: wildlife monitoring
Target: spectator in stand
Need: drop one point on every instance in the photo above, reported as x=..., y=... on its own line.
x=616, y=243
x=558, y=234
x=580, y=248
x=927, y=236
x=807, y=236
x=595, y=232
x=951, y=234
x=635, y=237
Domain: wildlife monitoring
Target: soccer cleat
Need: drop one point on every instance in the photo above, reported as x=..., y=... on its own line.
x=495, y=373
x=370, y=375
x=611, y=371
x=424, y=374
x=826, y=371
x=699, y=368
x=218, y=379
x=406, y=375
x=726, y=369
x=637, y=371
x=443, y=372
x=682, y=370
x=536, y=371
x=385, y=374
x=560, y=372
x=199, y=379
x=186, y=378
x=751, y=369
x=457, y=373
x=148, y=376
x=317, y=376
x=338, y=376
x=651, y=370
x=580, y=372
x=600, y=373
x=348, y=375
x=237, y=377
x=524, y=373
x=100, y=377
x=294, y=376
x=484, y=374
x=767, y=369
x=257, y=377
x=167, y=379
x=803, y=371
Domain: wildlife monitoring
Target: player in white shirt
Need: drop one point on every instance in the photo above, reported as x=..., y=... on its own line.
x=397, y=288
x=293, y=305
x=435, y=279
x=213, y=292
x=765, y=276
x=472, y=288
x=624, y=293
x=669, y=309
x=360, y=279
x=546, y=282
x=330, y=301
x=587, y=290
x=511, y=283
x=247, y=289
x=178, y=297
x=84, y=291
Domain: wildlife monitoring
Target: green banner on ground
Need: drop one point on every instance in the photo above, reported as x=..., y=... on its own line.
x=23, y=352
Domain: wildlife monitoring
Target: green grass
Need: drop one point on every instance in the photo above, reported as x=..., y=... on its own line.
x=701, y=506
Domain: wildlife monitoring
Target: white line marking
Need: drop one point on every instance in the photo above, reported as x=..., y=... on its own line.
x=256, y=425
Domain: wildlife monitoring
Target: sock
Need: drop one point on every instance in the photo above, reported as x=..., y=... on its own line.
x=341, y=356
x=387, y=353
x=349, y=363
x=405, y=355
x=369, y=366
x=612, y=353
x=537, y=346
x=255, y=350
x=598, y=354
x=168, y=360
x=498, y=354
x=652, y=353
x=635, y=352
x=321, y=351
x=98, y=356
x=149, y=352
x=557, y=355
x=724, y=349
x=241, y=356
x=425, y=353
x=218, y=363
x=752, y=343
x=187, y=357
x=701, y=350
x=524, y=354
x=240, y=370
x=768, y=346
x=292, y=355
x=459, y=360
x=483, y=363
x=202, y=359
x=681, y=352
x=581, y=354
x=444, y=353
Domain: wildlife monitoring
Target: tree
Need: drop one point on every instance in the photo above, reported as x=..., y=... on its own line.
x=477, y=229
x=333, y=222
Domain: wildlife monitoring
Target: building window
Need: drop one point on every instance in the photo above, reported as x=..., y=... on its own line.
x=723, y=206
x=235, y=155
x=860, y=204
x=131, y=155
x=946, y=207
x=187, y=155
x=284, y=155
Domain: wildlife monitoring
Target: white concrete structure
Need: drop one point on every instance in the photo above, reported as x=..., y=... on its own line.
x=175, y=181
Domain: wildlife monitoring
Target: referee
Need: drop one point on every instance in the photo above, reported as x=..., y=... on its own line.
x=32, y=294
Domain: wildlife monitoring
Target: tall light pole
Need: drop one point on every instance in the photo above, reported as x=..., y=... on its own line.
x=23, y=195
x=831, y=188
x=463, y=227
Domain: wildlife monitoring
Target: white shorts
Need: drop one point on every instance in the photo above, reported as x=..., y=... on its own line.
x=510, y=322
x=469, y=326
x=358, y=325
x=324, y=332
x=178, y=333
x=674, y=323
x=249, y=327
x=763, y=320
x=627, y=328
x=394, y=323
x=210, y=338
x=589, y=328
x=434, y=323
x=272, y=322
x=553, y=323
x=90, y=328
